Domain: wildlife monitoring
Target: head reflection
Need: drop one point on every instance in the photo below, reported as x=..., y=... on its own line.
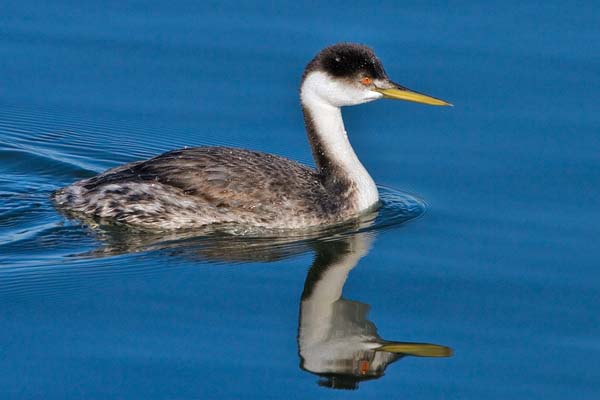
x=336, y=341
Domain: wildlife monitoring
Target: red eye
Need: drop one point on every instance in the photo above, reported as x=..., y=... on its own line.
x=366, y=80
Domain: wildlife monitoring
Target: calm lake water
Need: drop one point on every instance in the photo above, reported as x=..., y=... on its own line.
x=503, y=267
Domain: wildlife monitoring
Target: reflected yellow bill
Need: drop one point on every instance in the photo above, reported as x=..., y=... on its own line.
x=417, y=349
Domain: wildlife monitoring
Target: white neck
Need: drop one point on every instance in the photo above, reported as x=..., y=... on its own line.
x=331, y=145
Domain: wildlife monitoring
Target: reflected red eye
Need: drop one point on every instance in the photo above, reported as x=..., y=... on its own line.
x=364, y=365
x=366, y=80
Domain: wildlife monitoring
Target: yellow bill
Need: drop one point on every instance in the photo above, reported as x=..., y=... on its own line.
x=417, y=349
x=408, y=95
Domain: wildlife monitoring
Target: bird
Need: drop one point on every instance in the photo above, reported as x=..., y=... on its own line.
x=214, y=185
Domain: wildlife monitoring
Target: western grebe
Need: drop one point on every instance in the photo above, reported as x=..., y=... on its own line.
x=194, y=187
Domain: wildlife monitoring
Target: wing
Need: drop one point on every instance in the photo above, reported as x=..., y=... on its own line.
x=226, y=177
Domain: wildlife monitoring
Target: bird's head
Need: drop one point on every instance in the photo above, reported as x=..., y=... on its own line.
x=347, y=74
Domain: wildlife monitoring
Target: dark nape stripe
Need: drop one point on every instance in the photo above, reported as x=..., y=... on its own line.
x=322, y=160
x=326, y=254
x=331, y=175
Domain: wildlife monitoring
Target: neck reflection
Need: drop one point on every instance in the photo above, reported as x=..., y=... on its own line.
x=336, y=341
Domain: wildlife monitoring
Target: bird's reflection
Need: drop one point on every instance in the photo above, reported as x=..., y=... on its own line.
x=335, y=339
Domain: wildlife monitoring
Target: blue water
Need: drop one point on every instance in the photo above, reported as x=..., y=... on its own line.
x=502, y=267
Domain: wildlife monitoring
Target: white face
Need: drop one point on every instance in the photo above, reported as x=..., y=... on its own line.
x=319, y=86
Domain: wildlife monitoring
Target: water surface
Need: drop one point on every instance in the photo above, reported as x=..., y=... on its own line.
x=502, y=268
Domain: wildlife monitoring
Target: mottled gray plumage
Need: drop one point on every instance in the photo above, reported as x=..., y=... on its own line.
x=198, y=186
